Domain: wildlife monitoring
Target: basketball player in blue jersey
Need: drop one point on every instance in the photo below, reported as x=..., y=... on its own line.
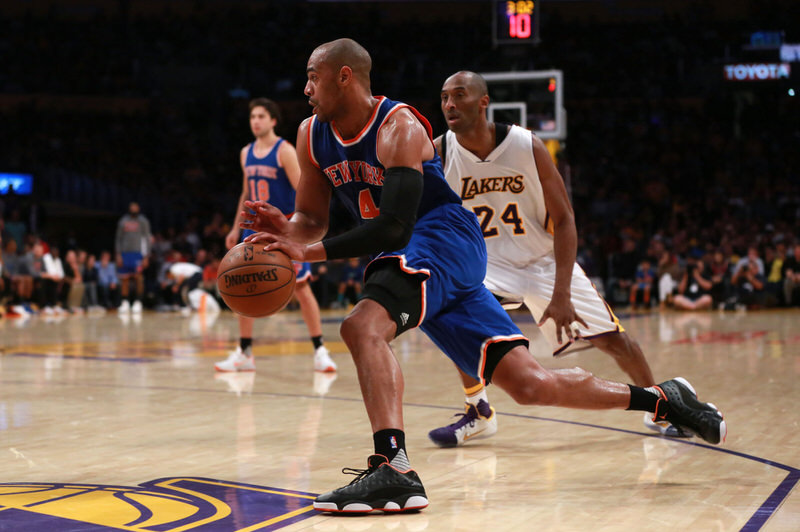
x=529, y=260
x=270, y=169
x=377, y=156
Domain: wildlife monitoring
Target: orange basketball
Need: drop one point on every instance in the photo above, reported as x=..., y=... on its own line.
x=254, y=282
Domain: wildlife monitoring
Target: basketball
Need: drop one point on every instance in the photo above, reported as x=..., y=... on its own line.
x=254, y=282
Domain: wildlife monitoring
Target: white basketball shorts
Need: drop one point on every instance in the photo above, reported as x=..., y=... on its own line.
x=534, y=285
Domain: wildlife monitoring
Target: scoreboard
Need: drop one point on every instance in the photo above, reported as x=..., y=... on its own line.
x=515, y=21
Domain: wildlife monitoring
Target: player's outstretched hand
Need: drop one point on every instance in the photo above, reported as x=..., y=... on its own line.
x=261, y=216
x=561, y=311
x=294, y=250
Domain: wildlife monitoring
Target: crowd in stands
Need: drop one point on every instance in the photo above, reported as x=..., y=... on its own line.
x=685, y=270
x=41, y=277
x=686, y=189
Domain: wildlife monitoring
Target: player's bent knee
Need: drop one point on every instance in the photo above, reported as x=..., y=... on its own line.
x=530, y=386
x=366, y=325
x=350, y=328
x=539, y=389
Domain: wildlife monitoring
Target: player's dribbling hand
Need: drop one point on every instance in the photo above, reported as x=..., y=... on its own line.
x=294, y=250
x=261, y=216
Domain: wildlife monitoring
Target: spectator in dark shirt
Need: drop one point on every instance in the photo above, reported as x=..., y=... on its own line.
x=624, y=270
x=720, y=278
x=91, y=299
x=750, y=284
x=791, y=277
x=694, y=290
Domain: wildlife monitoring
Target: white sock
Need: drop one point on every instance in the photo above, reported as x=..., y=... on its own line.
x=476, y=396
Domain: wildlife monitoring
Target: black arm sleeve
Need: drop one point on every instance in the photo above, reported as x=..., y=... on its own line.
x=392, y=228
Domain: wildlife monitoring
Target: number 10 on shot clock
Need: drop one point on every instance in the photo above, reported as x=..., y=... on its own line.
x=516, y=21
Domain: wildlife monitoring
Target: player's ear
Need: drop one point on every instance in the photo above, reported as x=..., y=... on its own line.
x=345, y=75
x=484, y=101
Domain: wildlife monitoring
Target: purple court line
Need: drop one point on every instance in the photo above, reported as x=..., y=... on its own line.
x=755, y=523
x=88, y=357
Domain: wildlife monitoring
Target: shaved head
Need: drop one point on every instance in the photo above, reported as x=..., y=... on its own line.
x=338, y=83
x=346, y=52
x=472, y=81
x=464, y=100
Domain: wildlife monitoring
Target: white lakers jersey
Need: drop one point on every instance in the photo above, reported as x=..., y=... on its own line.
x=506, y=195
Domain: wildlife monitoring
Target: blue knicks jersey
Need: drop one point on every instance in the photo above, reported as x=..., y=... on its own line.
x=355, y=173
x=267, y=181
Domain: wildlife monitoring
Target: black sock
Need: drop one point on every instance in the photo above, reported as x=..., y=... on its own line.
x=389, y=442
x=644, y=399
x=244, y=343
x=317, y=341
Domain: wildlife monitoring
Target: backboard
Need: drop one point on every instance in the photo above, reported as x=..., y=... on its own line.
x=533, y=99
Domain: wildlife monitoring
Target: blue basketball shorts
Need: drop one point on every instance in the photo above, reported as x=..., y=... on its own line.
x=436, y=283
x=131, y=262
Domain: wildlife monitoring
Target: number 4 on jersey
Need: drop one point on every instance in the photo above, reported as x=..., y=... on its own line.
x=367, y=205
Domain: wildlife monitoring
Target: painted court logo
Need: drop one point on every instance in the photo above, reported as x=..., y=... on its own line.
x=163, y=505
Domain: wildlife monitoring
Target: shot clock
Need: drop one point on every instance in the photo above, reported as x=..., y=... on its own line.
x=516, y=21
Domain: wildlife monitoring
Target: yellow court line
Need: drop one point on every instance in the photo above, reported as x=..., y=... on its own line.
x=158, y=351
x=223, y=510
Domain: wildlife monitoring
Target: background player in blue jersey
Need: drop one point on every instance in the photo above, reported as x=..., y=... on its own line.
x=378, y=157
x=270, y=169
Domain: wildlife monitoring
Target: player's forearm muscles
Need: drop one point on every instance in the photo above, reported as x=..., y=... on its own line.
x=565, y=250
x=305, y=229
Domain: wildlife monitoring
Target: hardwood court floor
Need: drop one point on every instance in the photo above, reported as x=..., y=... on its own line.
x=112, y=424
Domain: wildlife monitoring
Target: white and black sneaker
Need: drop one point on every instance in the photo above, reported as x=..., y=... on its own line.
x=381, y=486
x=679, y=405
x=477, y=422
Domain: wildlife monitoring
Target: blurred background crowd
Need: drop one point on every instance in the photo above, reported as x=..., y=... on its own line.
x=685, y=186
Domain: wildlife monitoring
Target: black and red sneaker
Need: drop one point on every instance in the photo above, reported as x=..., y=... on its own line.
x=679, y=405
x=379, y=487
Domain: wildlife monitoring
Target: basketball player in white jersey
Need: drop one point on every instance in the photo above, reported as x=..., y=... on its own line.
x=271, y=172
x=506, y=176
